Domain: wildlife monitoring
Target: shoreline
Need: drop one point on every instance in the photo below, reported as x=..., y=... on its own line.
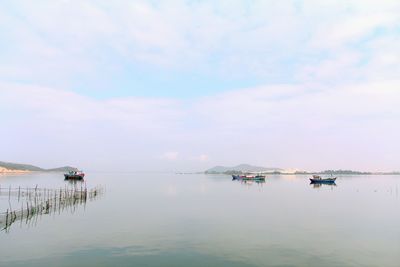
x=10, y=171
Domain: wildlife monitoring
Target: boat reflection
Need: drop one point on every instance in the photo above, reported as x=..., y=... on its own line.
x=250, y=182
x=319, y=185
x=75, y=182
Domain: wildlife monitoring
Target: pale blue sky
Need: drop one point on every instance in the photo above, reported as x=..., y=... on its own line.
x=191, y=84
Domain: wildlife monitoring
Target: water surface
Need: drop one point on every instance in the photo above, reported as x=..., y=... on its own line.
x=210, y=220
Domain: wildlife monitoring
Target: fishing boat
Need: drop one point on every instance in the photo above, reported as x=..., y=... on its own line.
x=255, y=177
x=235, y=177
x=319, y=180
x=76, y=175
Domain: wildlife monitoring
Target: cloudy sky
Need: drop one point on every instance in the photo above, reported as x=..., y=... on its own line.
x=186, y=85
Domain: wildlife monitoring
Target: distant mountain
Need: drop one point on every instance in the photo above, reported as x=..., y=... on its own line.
x=27, y=167
x=242, y=168
x=350, y=172
x=62, y=169
x=19, y=167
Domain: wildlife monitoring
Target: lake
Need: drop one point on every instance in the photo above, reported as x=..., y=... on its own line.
x=161, y=219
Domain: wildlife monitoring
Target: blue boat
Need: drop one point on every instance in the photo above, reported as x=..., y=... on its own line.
x=318, y=180
x=257, y=177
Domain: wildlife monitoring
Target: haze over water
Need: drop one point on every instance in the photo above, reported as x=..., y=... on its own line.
x=209, y=220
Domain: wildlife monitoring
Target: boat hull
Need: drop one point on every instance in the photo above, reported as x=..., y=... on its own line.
x=250, y=178
x=254, y=178
x=73, y=177
x=323, y=181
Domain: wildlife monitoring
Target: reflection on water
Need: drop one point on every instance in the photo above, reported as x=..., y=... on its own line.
x=319, y=185
x=249, y=182
x=75, y=182
x=35, y=202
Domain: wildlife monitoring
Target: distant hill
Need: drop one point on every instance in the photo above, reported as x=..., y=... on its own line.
x=242, y=168
x=62, y=169
x=19, y=167
x=27, y=167
x=350, y=172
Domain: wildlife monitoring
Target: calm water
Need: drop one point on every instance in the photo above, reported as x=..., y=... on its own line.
x=210, y=220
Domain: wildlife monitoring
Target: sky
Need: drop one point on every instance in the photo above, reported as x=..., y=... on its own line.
x=185, y=85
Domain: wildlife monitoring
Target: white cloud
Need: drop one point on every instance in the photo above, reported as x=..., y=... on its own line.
x=60, y=105
x=171, y=155
x=203, y=157
x=291, y=125
x=316, y=126
x=330, y=69
x=58, y=40
x=50, y=125
x=341, y=68
x=352, y=29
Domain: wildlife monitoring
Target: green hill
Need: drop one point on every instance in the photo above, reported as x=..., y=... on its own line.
x=28, y=167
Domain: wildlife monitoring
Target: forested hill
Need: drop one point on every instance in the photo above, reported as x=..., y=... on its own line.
x=27, y=167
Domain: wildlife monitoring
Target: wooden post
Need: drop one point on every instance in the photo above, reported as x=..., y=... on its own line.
x=7, y=218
